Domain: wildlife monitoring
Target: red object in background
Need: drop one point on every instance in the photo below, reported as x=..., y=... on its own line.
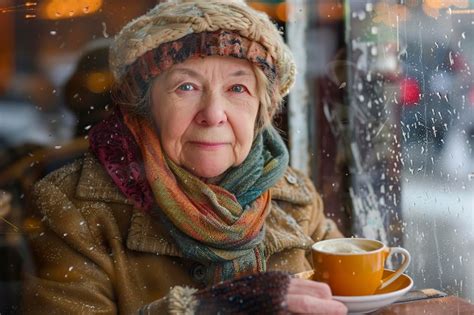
x=471, y=96
x=409, y=92
x=459, y=63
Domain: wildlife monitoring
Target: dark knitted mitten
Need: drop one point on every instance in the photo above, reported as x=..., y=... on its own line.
x=263, y=293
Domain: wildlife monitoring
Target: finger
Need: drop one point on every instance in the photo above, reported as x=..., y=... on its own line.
x=305, y=304
x=309, y=287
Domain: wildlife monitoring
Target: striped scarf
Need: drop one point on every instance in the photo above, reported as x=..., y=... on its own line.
x=220, y=226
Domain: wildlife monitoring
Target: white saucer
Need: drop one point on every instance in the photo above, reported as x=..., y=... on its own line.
x=369, y=303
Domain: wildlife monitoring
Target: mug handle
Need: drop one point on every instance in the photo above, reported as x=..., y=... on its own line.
x=406, y=261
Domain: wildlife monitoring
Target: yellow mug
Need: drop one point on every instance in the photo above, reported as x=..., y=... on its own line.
x=354, y=266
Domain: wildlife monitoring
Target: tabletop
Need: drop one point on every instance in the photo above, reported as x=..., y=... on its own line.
x=434, y=306
x=422, y=301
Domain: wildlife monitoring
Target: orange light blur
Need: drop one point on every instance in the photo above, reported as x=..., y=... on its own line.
x=389, y=14
x=65, y=9
x=263, y=7
x=275, y=11
x=7, y=48
x=281, y=12
x=99, y=82
x=278, y=11
x=330, y=10
x=444, y=4
x=435, y=4
x=432, y=7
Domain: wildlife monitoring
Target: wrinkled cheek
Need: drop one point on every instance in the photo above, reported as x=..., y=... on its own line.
x=169, y=147
x=240, y=154
x=250, y=137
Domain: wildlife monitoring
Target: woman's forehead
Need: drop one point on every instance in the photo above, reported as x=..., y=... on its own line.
x=231, y=66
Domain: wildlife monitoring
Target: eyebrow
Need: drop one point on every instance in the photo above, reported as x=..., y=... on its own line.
x=241, y=73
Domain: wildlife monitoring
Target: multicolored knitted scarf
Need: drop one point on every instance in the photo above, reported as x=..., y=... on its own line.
x=219, y=225
x=210, y=223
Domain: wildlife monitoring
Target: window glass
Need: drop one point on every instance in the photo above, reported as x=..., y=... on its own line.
x=392, y=117
x=411, y=121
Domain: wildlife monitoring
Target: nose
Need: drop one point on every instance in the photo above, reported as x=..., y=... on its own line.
x=212, y=111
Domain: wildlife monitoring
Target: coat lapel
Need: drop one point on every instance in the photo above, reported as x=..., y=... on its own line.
x=95, y=184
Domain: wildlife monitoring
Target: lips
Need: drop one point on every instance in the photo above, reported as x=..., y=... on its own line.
x=208, y=145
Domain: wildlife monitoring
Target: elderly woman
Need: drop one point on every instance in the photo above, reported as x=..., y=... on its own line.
x=185, y=203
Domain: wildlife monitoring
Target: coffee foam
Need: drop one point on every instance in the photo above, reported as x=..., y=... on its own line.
x=342, y=247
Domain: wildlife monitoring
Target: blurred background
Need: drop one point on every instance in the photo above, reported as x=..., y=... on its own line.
x=381, y=117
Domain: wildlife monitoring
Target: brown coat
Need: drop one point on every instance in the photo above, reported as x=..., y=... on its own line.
x=96, y=254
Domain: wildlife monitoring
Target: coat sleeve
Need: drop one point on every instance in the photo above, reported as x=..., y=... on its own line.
x=73, y=271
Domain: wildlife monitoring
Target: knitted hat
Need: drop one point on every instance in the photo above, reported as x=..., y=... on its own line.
x=178, y=29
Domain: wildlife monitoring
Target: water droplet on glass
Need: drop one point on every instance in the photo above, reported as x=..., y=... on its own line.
x=373, y=51
x=104, y=30
x=362, y=15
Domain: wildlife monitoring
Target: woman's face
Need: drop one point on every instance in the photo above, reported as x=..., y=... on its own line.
x=205, y=110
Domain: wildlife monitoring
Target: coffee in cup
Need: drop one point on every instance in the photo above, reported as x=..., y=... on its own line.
x=354, y=266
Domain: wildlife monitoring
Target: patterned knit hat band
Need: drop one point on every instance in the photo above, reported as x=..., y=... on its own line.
x=151, y=43
x=219, y=43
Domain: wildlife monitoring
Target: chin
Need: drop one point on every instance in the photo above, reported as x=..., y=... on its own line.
x=208, y=171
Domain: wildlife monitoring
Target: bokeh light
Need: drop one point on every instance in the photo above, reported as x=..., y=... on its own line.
x=65, y=9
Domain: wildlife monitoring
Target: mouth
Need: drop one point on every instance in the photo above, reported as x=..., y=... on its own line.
x=208, y=145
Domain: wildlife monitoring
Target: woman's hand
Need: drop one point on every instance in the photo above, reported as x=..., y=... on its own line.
x=311, y=297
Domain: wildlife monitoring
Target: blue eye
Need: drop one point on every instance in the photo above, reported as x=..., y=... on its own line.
x=238, y=88
x=186, y=87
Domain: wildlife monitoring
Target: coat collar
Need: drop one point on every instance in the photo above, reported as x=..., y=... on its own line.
x=146, y=233
x=95, y=184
